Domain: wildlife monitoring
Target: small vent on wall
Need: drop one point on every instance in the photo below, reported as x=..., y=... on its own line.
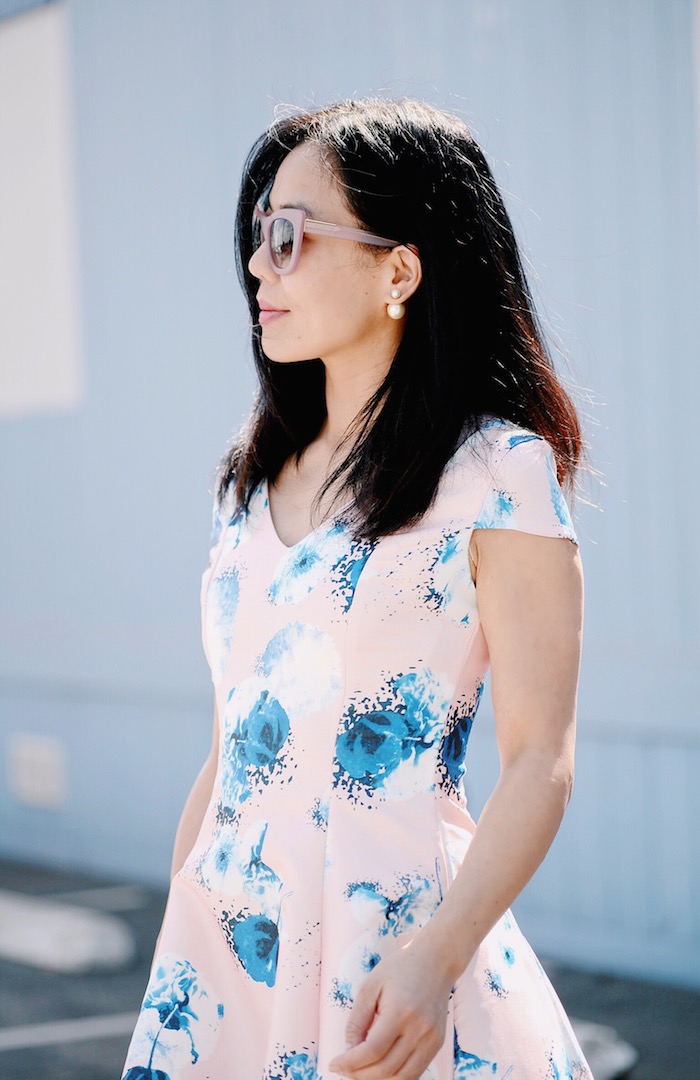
x=38, y=773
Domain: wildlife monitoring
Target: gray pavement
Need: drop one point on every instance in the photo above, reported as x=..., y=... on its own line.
x=57, y=1025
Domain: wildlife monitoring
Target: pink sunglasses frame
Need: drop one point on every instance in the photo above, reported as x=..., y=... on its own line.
x=301, y=224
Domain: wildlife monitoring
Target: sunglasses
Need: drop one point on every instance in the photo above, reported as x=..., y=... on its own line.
x=283, y=232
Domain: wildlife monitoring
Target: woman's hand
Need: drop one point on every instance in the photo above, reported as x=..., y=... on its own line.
x=397, y=1023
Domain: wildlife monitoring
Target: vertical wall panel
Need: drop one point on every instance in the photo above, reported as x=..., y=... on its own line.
x=41, y=365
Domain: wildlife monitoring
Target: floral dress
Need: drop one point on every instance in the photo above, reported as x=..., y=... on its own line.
x=348, y=676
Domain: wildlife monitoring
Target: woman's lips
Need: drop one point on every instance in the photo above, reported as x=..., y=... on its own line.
x=267, y=316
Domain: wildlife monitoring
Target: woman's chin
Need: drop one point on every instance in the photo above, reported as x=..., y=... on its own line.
x=276, y=352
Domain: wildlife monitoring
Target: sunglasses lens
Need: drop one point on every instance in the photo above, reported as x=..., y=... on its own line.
x=256, y=233
x=281, y=242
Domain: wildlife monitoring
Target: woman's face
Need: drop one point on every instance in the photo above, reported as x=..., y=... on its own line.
x=334, y=302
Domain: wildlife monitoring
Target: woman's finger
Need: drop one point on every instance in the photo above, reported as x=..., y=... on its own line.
x=380, y=1039
x=390, y=1064
x=362, y=1014
x=414, y=1067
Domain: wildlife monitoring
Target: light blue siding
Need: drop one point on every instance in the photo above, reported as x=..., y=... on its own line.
x=587, y=112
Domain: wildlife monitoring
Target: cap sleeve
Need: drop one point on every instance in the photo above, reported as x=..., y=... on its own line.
x=220, y=519
x=222, y=511
x=524, y=492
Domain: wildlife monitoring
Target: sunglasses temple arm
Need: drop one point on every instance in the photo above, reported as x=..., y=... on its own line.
x=345, y=232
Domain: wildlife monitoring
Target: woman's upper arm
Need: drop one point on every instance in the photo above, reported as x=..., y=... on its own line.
x=214, y=749
x=530, y=599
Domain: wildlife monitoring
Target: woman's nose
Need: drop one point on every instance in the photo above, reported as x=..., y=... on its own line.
x=259, y=264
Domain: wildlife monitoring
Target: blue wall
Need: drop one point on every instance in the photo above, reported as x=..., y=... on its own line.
x=587, y=114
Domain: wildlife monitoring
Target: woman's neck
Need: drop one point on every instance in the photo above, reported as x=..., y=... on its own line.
x=347, y=392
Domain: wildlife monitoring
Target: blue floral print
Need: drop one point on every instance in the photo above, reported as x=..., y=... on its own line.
x=515, y=440
x=345, y=574
x=328, y=555
x=384, y=916
x=468, y=1064
x=255, y=940
x=181, y=1007
x=300, y=572
x=319, y=814
x=494, y=983
x=301, y=666
x=562, y=1068
x=558, y=502
x=263, y=733
x=453, y=747
x=226, y=593
x=227, y=516
x=372, y=746
x=450, y=585
x=498, y=509
x=406, y=911
x=223, y=602
x=226, y=596
x=216, y=525
x=294, y=1065
x=256, y=728
x=381, y=742
x=233, y=866
x=139, y=1072
x=508, y=954
x=172, y=997
x=233, y=863
x=307, y=563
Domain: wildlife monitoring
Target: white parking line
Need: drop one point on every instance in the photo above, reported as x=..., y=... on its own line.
x=62, y=937
x=65, y=1031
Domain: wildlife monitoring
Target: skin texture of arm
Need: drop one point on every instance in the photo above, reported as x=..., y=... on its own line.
x=195, y=807
x=530, y=598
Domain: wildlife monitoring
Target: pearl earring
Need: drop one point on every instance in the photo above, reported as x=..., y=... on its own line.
x=396, y=311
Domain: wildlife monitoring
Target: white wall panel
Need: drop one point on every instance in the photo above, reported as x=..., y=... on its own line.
x=41, y=363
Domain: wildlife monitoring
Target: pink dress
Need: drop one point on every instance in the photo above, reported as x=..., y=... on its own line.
x=347, y=677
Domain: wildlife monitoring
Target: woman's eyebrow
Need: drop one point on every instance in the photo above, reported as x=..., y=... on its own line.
x=295, y=206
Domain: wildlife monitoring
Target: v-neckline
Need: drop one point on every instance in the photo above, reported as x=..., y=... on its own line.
x=324, y=525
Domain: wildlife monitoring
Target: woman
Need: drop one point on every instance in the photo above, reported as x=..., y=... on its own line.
x=389, y=522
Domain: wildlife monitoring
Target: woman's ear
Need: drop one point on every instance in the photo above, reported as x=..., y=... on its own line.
x=404, y=269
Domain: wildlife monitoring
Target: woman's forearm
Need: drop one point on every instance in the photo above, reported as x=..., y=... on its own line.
x=193, y=815
x=513, y=835
x=191, y=820
x=195, y=808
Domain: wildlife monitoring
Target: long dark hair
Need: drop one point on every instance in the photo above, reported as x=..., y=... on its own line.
x=472, y=345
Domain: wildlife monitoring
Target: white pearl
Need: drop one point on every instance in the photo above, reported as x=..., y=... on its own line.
x=396, y=293
x=396, y=311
